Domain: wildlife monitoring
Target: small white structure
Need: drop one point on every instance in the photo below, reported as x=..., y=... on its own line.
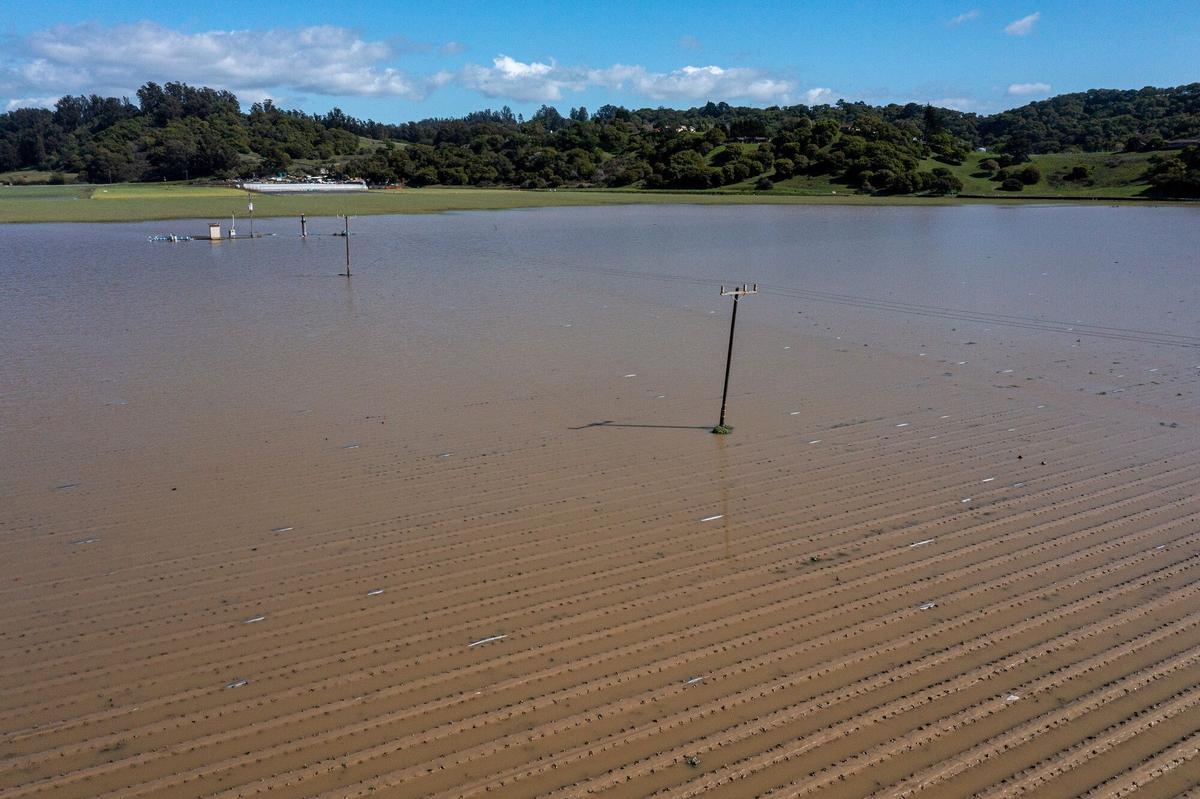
x=214, y=231
x=298, y=188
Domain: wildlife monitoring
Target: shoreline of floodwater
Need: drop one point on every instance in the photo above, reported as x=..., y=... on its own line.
x=152, y=202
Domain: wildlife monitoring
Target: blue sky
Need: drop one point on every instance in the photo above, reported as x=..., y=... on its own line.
x=398, y=61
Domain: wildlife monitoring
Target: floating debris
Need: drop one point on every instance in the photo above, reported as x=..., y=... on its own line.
x=815, y=441
x=238, y=684
x=350, y=446
x=1161, y=546
x=445, y=454
x=928, y=606
x=712, y=518
x=902, y=424
x=694, y=680
x=1012, y=698
x=967, y=499
x=922, y=543
x=283, y=529
x=66, y=486
x=482, y=641
x=795, y=413
x=85, y=541
x=987, y=479
x=255, y=619
x=375, y=592
x=631, y=375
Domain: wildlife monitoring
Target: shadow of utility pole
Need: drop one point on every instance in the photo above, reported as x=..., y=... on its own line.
x=655, y=426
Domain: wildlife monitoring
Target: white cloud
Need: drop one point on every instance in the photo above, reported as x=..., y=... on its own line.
x=818, y=96
x=1023, y=26
x=957, y=103
x=538, y=81
x=708, y=83
x=690, y=43
x=321, y=59
x=328, y=60
x=30, y=102
x=528, y=82
x=1023, y=89
x=966, y=16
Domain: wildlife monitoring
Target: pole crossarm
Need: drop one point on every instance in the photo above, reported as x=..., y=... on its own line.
x=741, y=291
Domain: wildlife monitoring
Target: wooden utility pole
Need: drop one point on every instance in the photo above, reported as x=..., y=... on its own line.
x=737, y=294
x=346, y=233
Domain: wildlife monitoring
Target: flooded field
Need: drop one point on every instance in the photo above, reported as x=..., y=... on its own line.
x=456, y=525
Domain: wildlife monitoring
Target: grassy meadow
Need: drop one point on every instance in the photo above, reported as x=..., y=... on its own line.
x=1112, y=175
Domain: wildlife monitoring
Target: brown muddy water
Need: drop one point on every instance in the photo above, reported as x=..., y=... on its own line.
x=456, y=525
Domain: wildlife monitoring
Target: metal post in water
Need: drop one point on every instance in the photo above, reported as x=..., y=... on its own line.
x=346, y=234
x=737, y=294
x=303, y=227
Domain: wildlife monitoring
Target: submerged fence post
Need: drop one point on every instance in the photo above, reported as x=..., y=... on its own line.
x=346, y=233
x=303, y=227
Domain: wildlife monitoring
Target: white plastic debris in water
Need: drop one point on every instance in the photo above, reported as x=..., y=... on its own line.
x=694, y=680
x=921, y=543
x=85, y=541
x=254, y=619
x=928, y=606
x=1012, y=698
x=350, y=446
x=987, y=479
x=712, y=518
x=488, y=640
x=815, y=441
x=902, y=424
x=283, y=529
x=1161, y=546
x=961, y=363
x=238, y=683
x=965, y=499
x=375, y=592
x=795, y=413
x=634, y=375
x=947, y=416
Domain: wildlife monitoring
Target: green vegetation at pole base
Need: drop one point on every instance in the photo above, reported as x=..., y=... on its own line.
x=722, y=430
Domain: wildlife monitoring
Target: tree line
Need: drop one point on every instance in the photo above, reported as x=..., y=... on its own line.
x=178, y=131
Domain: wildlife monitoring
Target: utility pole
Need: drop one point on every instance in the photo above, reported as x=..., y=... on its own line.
x=346, y=233
x=250, y=206
x=737, y=294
